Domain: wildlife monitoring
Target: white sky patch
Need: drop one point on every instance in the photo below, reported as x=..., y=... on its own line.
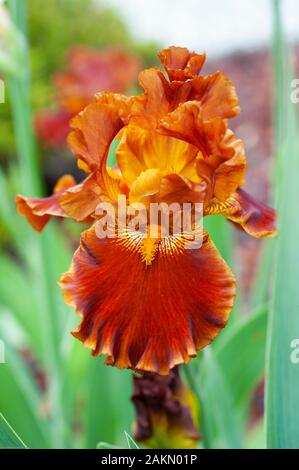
x=215, y=26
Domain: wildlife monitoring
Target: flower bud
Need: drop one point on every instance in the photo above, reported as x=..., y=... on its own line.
x=167, y=412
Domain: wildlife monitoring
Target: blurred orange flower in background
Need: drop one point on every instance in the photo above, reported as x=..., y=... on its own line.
x=150, y=303
x=89, y=71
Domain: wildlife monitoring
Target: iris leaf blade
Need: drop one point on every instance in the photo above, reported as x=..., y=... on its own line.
x=282, y=407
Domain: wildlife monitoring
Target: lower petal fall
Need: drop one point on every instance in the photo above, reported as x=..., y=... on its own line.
x=187, y=295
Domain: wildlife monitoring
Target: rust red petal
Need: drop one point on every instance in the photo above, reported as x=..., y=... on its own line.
x=187, y=296
x=256, y=218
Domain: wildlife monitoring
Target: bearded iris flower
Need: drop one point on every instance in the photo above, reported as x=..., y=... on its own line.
x=89, y=71
x=166, y=410
x=149, y=303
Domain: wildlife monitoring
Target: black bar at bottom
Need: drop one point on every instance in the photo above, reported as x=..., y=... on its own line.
x=140, y=457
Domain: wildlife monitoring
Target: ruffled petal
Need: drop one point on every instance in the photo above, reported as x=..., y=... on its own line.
x=256, y=218
x=146, y=185
x=80, y=201
x=177, y=189
x=140, y=149
x=38, y=211
x=224, y=169
x=221, y=162
x=95, y=128
x=180, y=63
x=215, y=93
x=154, y=103
x=186, y=123
x=187, y=295
x=217, y=96
x=152, y=186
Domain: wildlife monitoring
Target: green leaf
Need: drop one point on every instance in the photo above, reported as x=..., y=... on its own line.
x=8, y=438
x=108, y=410
x=39, y=246
x=111, y=160
x=242, y=355
x=262, y=280
x=226, y=374
x=130, y=441
x=106, y=445
x=221, y=232
x=22, y=305
x=219, y=423
x=256, y=437
x=20, y=399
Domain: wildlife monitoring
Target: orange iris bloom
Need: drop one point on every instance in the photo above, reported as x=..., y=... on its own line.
x=150, y=303
x=89, y=71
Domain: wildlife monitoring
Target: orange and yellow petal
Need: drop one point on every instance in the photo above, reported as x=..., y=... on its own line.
x=224, y=170
x=180, y=63
x=153, y=185
x=140, y=149
x=187, y=296
x=95, y=128
x=177, y=189
x=38, y=211
x=221, y=161
x=186, y=123
x=149, y=107
x=215, y=93
x=146, y=185
x=80, y=201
